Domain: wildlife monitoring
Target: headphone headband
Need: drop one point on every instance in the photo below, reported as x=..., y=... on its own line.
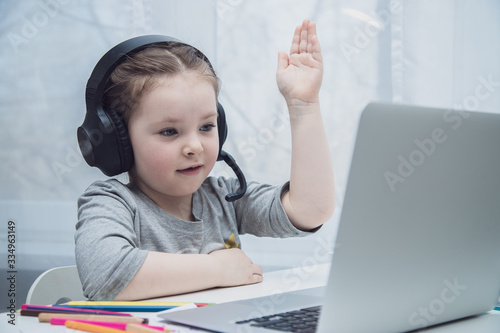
x=114, y=57
x=103, y=136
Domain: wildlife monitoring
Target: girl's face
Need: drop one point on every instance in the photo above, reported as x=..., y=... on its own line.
x=174, y=137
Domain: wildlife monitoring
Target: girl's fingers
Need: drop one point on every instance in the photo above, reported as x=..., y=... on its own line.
x=295, y=41
x=312, y=38
x=303, y=37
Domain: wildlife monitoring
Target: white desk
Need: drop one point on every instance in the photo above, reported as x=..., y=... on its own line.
x=274, y=282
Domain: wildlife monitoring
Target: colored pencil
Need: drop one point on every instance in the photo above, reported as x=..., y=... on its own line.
x=138, y=306
x=134, y=328
x=46, y=317
x=34, y=310
x=112, y=324
x=90, y=328
x=86, y=327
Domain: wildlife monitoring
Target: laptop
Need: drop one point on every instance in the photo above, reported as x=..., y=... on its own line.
x=418, y=242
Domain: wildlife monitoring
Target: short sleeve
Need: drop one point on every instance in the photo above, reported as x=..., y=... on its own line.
x=106, y=250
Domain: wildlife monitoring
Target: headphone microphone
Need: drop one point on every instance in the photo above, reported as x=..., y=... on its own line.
x=103, y=136
x=241, y=177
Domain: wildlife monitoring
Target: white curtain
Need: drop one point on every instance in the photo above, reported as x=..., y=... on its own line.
x=441, y=53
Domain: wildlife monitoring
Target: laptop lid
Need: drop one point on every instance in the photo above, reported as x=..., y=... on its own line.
x=419, y=236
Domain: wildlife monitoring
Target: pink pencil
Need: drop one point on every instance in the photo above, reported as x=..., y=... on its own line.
x=110, y=324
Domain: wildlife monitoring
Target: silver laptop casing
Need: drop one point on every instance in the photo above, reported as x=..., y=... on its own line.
x=419, y=236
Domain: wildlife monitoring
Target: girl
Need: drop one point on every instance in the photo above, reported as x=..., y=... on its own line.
x=169, y=230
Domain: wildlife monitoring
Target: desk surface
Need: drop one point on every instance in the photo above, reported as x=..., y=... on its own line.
x=274, y=282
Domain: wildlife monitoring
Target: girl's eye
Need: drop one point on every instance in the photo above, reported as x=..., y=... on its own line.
x=168, y=132
x=207, y=128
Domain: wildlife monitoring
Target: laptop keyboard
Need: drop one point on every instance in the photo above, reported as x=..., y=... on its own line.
x=300, y=321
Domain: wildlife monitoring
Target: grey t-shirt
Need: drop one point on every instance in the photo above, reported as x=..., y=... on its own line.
x=118, y=224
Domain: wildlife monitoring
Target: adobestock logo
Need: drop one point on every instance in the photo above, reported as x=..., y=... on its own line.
x=308, y=266
x=225, y=7
x=407, y=164
x=374, y=24
x=426, y=315
x=292, y=280
x=73, y=158
x=250, y=147
x=34, y=23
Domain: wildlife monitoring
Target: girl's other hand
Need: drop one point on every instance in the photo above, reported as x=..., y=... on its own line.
x=235, y=268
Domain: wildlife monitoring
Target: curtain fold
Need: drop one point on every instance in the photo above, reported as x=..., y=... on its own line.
x=443, y=50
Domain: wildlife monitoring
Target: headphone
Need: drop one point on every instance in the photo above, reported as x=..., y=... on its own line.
x=103, y=136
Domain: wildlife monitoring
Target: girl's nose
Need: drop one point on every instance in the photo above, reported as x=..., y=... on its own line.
x=193, y=145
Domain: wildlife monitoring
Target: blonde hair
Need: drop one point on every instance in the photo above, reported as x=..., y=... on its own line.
x=139, y=73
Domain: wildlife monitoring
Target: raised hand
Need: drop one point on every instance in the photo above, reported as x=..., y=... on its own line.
x=299, y=74
x=310, y=201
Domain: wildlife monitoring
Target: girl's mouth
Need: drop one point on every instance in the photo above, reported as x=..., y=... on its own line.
x=191, y=171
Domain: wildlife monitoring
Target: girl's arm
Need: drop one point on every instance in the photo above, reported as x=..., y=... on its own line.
x=310, y=201
x=169, y=274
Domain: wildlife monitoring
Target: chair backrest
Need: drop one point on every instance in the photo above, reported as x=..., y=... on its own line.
x=56, y=286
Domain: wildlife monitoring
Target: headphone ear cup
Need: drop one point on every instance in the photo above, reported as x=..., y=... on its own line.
x=125, y=146
x=222, y=128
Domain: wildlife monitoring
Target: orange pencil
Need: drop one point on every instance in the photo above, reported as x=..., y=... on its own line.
x=90, y=327
x=133, y=328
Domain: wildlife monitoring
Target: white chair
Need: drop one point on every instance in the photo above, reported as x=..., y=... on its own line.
x=56, y=286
